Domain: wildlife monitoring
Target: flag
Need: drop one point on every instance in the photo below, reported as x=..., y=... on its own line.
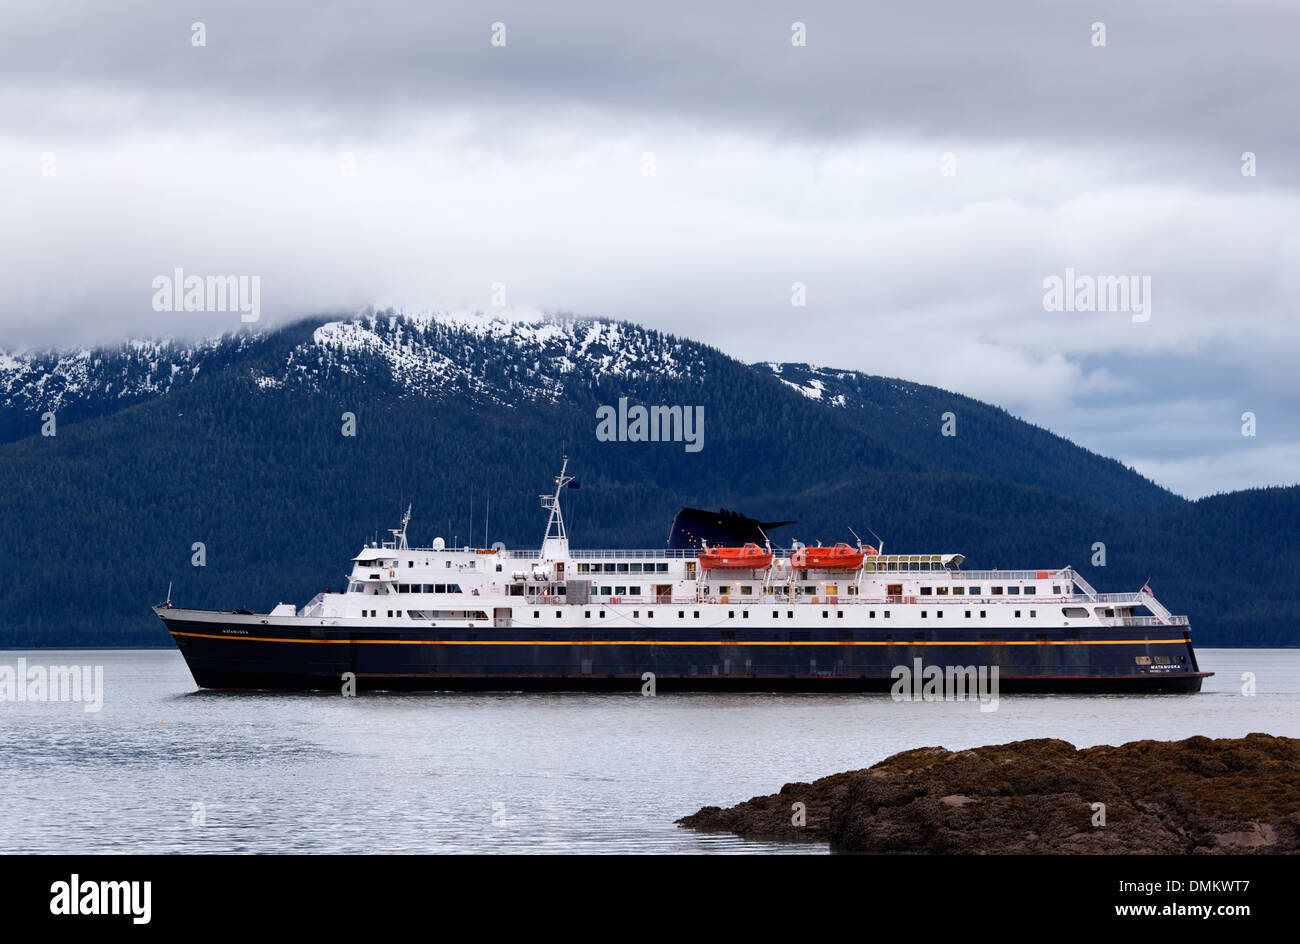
x=1146, y=588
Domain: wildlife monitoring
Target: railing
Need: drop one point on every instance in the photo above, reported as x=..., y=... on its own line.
x=1143, y=621
x=1113, y=598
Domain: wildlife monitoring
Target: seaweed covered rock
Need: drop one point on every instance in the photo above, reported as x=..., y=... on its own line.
x=1199, y=795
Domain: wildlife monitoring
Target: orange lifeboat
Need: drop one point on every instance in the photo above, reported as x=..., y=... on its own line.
x=749, y=557
x=839, y=557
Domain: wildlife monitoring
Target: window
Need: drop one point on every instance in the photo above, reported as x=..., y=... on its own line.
x=448, y=563
x=886, y=614
x=923, y=614
x=1056, y=590
x=649, y=614
x=606, y=591
x=1033, y=613
x=1017, y=614
x=1012, y=591
x=602, y=614
x=789, y=614
x=731, y=614
x=810, y=589
x=872, y=614
x=825, y=614
x=983, y=613
x=390, y=613
x=997, y=591
x=681, y=614
x=744, y=614
x=621, y=568
x=1032, y=591
x=724, y=589
x=410, y=563
x=942, y=591
x=958, y=591
x=663, y=568
x=635, y=568
x=775, y=614
x=925, y=591
x=558, y=614
x=620, y=591
x=609, y=568
x=586, y=614
x=636, y=614
x=938, y=614
x=746, y=591
x=968, y=614
x=537, y=614
x=975, y=591
x=582, y=568
x=839, y=614
x=697, y=614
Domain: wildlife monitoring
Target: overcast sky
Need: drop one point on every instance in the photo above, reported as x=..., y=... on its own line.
x=388, y=153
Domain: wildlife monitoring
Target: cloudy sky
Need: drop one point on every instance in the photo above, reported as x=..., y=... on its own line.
x=920, y=168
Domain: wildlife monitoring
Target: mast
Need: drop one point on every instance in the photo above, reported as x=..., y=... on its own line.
x=556, y=543
x=399, y=534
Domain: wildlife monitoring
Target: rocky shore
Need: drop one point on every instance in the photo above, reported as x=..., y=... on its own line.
x=1232, y=795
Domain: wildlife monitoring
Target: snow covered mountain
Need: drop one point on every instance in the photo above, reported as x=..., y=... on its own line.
x=497, y=359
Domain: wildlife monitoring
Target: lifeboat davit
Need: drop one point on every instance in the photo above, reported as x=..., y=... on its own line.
x=839, y=557
x=749, y=557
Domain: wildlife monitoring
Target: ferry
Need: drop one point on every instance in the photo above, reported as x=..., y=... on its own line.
x=693, y=616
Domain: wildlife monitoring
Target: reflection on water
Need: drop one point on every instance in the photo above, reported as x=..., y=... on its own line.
x=435, y=772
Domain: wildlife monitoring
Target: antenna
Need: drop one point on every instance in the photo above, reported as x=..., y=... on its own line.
x=555, y=524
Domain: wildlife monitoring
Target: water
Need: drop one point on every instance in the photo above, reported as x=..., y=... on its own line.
x=561, y=773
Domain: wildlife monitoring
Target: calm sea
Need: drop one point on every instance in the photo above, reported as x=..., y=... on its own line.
x=164, y=767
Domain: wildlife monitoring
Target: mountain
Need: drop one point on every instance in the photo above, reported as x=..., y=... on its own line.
x=239, y=443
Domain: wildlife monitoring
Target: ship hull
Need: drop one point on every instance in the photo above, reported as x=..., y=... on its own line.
x=225, y=651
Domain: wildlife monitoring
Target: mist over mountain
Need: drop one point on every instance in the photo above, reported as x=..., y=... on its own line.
x=240, y=443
